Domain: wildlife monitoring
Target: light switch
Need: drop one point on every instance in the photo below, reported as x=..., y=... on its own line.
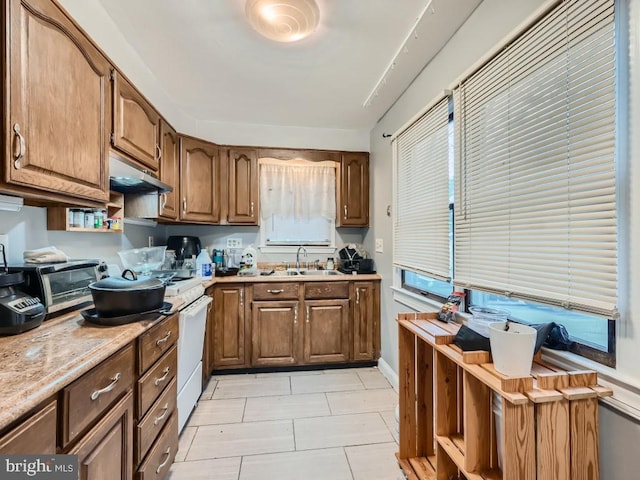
x=379, y=245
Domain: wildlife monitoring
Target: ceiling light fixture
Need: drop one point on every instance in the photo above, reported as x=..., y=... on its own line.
x=283, y=20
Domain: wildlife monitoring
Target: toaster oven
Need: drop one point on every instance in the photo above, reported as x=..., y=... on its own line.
x=61, y=286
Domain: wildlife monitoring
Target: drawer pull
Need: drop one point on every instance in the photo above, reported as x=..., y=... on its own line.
x=161, y=379
x=108, y=388
x=160, y=341
x=275, y=291
x=168, y=454
x=159, y=418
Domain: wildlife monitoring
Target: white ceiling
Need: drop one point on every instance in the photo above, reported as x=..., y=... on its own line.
x=216, y=68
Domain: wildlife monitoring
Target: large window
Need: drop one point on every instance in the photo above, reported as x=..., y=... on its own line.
x=297, y=202
x=535, y=222
x=423, y=222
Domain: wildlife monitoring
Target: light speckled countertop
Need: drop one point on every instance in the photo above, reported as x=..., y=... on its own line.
x=37, y=364
x=296, y=278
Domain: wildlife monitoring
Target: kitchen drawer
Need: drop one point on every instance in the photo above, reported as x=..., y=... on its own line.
x=155, y=342
x=326, y=290
x=151, y=385
x=157, y=417
x=36, y=434
x=92, y=394
x=157, y=464
x=275, y=291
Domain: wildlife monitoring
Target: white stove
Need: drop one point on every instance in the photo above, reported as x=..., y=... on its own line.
x=192, y=320
x=178, y=287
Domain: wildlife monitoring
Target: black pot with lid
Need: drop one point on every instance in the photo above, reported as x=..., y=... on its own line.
x=19, y=312
x=127, y=295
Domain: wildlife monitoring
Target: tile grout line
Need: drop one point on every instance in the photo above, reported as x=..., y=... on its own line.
x=344, y=451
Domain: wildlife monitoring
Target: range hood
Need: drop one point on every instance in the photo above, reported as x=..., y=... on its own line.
x=127, y=179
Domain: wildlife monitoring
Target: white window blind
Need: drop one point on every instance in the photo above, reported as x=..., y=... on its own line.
x=535, y=214
x=421, y=223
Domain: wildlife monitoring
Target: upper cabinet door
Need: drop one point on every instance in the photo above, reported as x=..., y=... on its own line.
x=169, y=171
x=353, y=205
x=136, y=124
x=243, y=186
x=58, y=104
x=199, y=181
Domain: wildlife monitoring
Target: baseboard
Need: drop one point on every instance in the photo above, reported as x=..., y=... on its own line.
x=389, y=373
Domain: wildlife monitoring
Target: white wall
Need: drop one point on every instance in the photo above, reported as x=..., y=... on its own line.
x=490, y=23
x=27, y=230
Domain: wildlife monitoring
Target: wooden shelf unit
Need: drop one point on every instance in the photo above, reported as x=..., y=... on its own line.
x=58, y=217
x=549, y=420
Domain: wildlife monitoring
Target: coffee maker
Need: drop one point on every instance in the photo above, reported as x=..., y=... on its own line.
x=19, y=312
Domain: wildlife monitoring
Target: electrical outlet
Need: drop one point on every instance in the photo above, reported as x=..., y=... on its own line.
x=150, y=241
x=234, y=243
x=379, y=245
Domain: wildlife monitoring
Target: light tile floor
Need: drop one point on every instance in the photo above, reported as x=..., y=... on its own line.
x=318, y=425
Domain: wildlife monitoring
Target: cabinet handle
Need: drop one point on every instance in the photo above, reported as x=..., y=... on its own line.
x=357, y=295
x=158, y=152
x=22, y=147
x=168, y=454
x=159, y=418
x=345, y=212
x=115, y=379
x=161, y=379
x=275, y=291
x=308, y=314
x=295, y=315
x=184, y=205
x=251, y=214
x=242, y=298
x=162, y=340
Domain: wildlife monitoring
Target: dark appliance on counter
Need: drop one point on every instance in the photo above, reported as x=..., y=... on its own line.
x=61, y=286
x=184, y=247
x=19, y=312
x=351, y=261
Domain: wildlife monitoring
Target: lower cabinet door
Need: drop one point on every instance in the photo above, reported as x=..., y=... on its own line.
x=274, y=333
x=326, y=331
x=106, y=452
x=158, y=462
x=364, y=321
x=37, y=434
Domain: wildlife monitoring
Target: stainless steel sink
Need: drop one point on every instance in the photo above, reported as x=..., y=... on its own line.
x=320, y=272
x=286, y=273
x=293, y=272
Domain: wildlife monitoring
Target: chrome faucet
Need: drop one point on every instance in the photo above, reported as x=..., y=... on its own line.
x=298, y=255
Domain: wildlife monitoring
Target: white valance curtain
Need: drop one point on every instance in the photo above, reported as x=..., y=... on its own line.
x=535, y=205
x=297, y=189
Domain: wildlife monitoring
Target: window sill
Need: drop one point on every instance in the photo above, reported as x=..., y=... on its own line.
x=414, y=300
x=626, y=391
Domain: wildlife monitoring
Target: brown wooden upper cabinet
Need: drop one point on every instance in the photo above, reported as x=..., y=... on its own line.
x=57, y=105
x=199, y=181
x=169, y=207
x=136, y=124
x=353, y=191
x=243, y=196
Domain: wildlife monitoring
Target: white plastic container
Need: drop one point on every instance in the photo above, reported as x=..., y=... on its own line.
x=482, y=316
x=512, y=350
x=203, y=265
